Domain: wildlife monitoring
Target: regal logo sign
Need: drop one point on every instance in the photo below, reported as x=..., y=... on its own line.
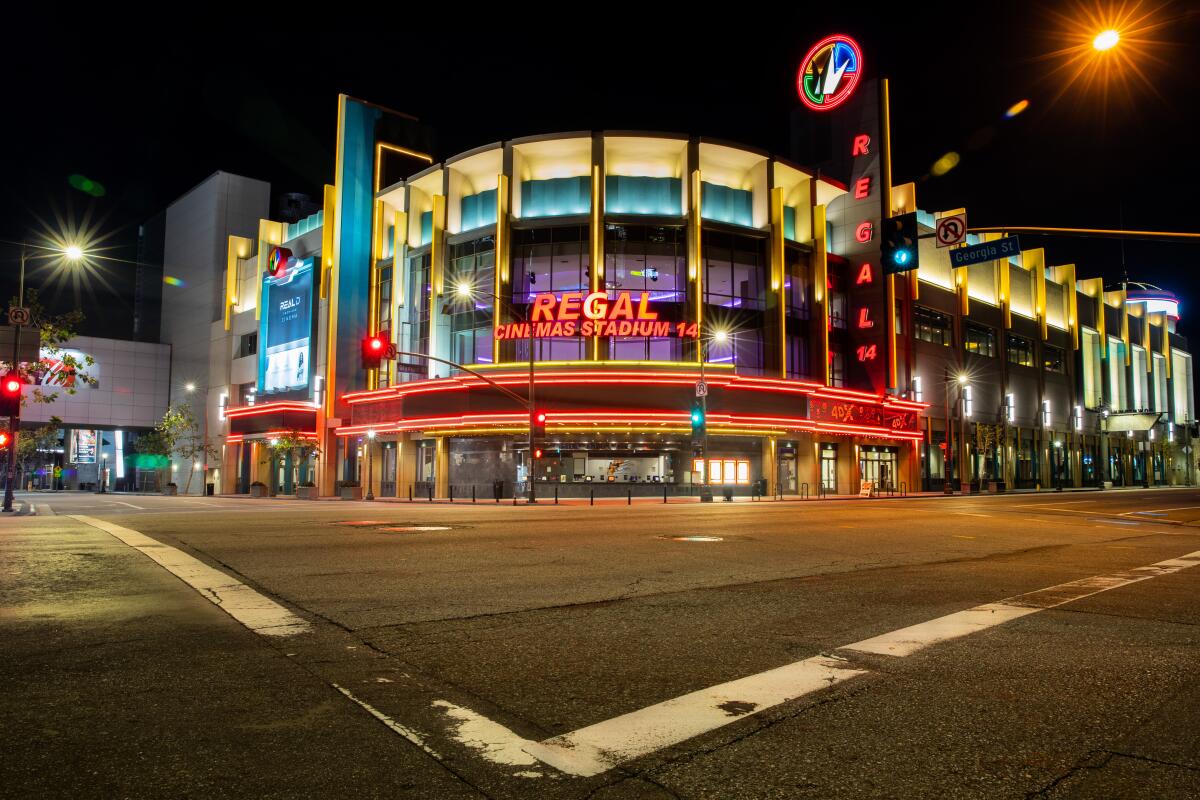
x=594, y=314
x=850, y=413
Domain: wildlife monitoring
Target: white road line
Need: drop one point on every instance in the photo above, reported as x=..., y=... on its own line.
x=258, y=613
x=909, y=640
x=123, y=503
x=605, y=745
x=1158, y=510
x=407, y=733
x=969, y=514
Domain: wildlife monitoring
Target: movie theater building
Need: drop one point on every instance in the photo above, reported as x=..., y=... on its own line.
x=646, y=263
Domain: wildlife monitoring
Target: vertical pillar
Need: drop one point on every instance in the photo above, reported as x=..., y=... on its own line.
x=777, y=298
x=406, y=463
x=503, y=277
x=695, y=258
x=819, y=318
x=770, y=463
x=597, y=347
x=441, y=467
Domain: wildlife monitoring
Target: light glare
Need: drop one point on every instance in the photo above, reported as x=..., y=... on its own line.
x=1106, y=40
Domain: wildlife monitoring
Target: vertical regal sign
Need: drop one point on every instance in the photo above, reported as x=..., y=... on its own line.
x=857, y=158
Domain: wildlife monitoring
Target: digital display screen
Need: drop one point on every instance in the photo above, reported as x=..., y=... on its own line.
x=285, y=341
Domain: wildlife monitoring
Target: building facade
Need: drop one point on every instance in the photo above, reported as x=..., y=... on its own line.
x=630, y=272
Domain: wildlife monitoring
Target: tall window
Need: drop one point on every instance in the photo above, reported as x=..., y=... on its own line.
x=1053, y=359
x=556, y=260
x=735, y=295
x=979, y=339
x=1020, y=350
x=472, y=264
x=931, y=326
x=384, y=315
x=417, y=334
x=653, y=259
x=798, y=296
x=837, y=369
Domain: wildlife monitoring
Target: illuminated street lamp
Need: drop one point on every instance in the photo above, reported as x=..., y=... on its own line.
x=72, y=253
x=1106, y=40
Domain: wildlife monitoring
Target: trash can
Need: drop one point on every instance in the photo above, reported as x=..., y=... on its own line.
x=728, y=492
x=210, y=489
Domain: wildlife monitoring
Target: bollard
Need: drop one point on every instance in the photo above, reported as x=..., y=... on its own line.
x=452, y=493
x=431, y=492
x=472, y=493
x=629, y=497
x=664, y=494
x=410, y=493
x=592, y=498
x=556, y=494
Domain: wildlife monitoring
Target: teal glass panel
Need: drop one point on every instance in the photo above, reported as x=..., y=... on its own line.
x=628, y=194
x=427, y=227
x=556, y=197
x=478, y=210
x=724, y=204
x=789, y=223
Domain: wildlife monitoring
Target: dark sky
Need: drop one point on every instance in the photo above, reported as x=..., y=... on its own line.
x=149, y=116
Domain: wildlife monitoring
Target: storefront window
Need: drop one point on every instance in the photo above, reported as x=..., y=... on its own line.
x=829, y=480
x=979, y=339
x=416, y=337
x=931, y=326
x=472, y=264
x=1020, y=350
x=555, y=260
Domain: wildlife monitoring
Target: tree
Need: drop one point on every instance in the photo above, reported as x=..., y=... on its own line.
x=177, y=431
x=295, y=443
x=30, y=443
x=56, y=367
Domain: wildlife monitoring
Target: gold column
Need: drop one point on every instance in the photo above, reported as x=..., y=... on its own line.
x=269, y=233
x=237, y=248
x=441, y=467
x=695, y=256
x=1065, y=275
x=779, y=273
x=820, y=311
x=327, y=227
x=503, y=258
x=596, y=244
x=437, y=267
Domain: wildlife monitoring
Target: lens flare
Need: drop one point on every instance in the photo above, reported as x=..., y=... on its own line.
x=945, y=164
x=1016, y=108
x=1106, y=40
x=171, y=280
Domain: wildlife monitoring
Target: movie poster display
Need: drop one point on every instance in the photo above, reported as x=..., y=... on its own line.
x=286, y=334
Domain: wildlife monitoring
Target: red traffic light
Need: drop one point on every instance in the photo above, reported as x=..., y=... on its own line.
x=3, y=439
x=11, y=385
x=541, y=417
x=375, y=343
x=537, y=453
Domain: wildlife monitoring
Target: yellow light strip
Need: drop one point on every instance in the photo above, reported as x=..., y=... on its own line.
x=502, y=258
x=381, y=146
x=820, y=290
x=331, y=239
x=237, y=248
x=695, y=255
x=329, y=224
x=597, y=244
x=779, y=272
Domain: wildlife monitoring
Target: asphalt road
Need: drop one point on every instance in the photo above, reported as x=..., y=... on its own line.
x=273, y=648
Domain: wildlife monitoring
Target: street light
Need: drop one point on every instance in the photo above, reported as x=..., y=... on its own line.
x=72, y=253
x=370, y=472
x=720, y=336
x=1106, y=40
x=190, y=387
x=465, y=291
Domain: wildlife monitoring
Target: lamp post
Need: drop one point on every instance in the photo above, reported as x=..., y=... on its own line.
x=103, y=473
x=466, y=291
x=71, y=253
x=370, y=462
x=720, y=336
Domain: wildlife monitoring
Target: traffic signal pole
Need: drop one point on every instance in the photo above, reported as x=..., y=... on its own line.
x=14, y=421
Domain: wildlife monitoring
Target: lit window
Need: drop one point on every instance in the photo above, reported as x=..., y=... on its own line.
x=1046, y=413
x=714, y=468
x=1078, y=418
x=918, y=391
x=968, y=401
x=1010, y=406
x=743, y=471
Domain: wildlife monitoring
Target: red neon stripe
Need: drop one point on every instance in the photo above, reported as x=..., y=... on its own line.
x=268, y=408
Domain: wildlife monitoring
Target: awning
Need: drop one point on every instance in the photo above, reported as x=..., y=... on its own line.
x=1138, y=422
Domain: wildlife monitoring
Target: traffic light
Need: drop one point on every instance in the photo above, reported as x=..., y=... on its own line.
x=3, y=440
x=10, y=394
x=539, y=425
x=898, y=245
x=537, y=453
x=697, y=416
x=374, y=348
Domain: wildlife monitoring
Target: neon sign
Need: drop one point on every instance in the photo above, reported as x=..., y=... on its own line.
x=594, y=314
x=829, y=73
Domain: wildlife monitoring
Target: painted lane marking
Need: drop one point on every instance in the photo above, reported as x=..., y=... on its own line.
x=257, y=612
x=407, y=733
x=123, y=503
x=598, y=748
x=909, y=640
x=1160, y=512
x=969, y=514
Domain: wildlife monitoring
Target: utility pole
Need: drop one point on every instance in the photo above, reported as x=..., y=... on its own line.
x=14, y=422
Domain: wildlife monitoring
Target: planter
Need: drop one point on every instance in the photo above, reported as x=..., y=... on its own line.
x=996, y=487
x=258, y=491
x=970, y=488
x=306, y=493
x=351, y=492
x=170, y=491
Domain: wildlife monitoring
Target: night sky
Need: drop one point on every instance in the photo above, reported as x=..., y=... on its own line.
x=149, y=116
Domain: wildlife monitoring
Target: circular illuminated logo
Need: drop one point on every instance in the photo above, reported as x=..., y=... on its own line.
x=278, y=260
x=829, y=72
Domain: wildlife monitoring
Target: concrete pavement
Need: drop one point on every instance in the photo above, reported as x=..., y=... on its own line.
x=432, y=651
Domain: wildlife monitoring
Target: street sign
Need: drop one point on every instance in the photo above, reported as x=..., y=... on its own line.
x=951, y=230
x=391, y=352
x=701, y=389
x=985, y=251
x=18, y=315
x=410, y=369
